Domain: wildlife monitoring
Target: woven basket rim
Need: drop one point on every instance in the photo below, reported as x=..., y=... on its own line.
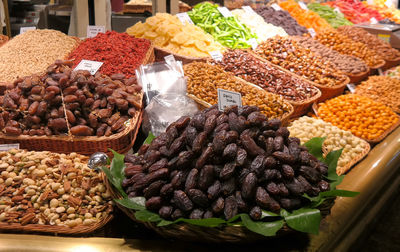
x=360, y=74
x=378, y=65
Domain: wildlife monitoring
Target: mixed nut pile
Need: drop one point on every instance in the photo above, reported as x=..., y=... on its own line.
x=50, y=189
x=69, y=102
x=219, y=164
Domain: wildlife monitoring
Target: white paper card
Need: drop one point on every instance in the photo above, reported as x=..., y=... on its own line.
x=92, y=30
x=169, y=58
x=276, y=7
x=228, y=98
x=91, y=66
x=249, y=10
x=303, y=6
x=388, y=3
x=373, y=20
x=351, y=87
x=184, y=18
x=312, y=32
x=225, y=12
x=253, y=43
x=7, y=147
x=25, y=29
x=337, y=10
x=371, y=2
x=216, y=55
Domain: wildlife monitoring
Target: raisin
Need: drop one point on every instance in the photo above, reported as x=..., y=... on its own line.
x=249, y=186
x=230, y=207
x=206, y=177
x=182, y=201
x=255, y=213
x=198, y=197
x=218, y=206
x=230, y=151
x=196, y=214
x=214, y=190
x=265, y=201
x=191, y=180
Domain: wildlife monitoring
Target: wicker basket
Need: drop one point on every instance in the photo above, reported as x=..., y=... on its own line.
x=373, y=141
x=391, y=63
x=356, y=78
x=160, y=53
x=142, y=8
x=374, y=69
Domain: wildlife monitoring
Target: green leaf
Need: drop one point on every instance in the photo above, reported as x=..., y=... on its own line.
x=304, y=220
x=147, y=216
x=163, y=223
x=260, y=227
x=113, y=180
x=136, y=203
x=265, y=213
x=331, y=160
x=336, y=182
x=314, y=146
x=149, y=138
x=116, y=174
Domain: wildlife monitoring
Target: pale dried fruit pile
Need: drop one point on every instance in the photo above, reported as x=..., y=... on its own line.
x=50, y=189
x=32, y=52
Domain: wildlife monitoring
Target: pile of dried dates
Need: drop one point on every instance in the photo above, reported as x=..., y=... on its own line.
x=64, y=101
x=219, y=164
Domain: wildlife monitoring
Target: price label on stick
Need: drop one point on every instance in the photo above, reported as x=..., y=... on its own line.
x=216, y=55
x=7, y=147
x=303, y=6
x=276, y=7
x=337, y=10
x=312, y=32
x=249, y=10
x=351, y=88
x=253, y=43
x=225, y=12
x=91, y=66
x=228, y=98
x=25, y=29
x=184, y=18
x=93, y=30
x=373, y=20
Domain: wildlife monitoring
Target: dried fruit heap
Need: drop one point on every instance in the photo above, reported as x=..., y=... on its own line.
x=221, y=164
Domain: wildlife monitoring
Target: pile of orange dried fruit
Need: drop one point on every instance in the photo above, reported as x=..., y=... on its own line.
x=362, y=116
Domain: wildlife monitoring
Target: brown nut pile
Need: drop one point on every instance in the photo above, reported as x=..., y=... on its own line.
x=346, y=45
x=382, y=48
x=220, y=164
x=69, y=102
x=345, y=63
x=286, y=53
x=382, y=89
x=204, y=79
x=50, y=189
x=246, y=66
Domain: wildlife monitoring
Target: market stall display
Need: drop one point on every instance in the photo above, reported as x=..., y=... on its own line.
x=57, y=193
x=346, y=45
x=383, y=89
x=354, y=148
x=204, y=79
x=32, y=52
x=258, y=26
x=65, y=105
x=355, y=11
x=334, y=18
x=306, y=18
x=286, y=53
x=282, y=19
x=298, y=92
x=380, y=47
x=169, y=35
x=353, y=67
x=362, y=116
x=386, y=9
x=119, y=52
x=227, y=30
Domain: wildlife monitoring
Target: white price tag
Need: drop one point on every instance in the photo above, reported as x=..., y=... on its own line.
x=370, y=2
x=89, y=65
x=373, y=20
x=184, y=18
x=337, y=10
x=249, y=10
x=92, y=30
x=312, y=32
x=7, y=147
x=216, y=55
x=169, y=58
x=351, y=87
x=303, y=6
x=388, y=3
x=225, y=12
x=25, y=29
x=253, y=43
x=228, y=98
x=276, y=7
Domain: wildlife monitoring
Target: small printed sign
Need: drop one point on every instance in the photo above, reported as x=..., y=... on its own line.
x=25, y=29
x=184, y=18
x=371, y=2
x=89, y=65
x=249, y=10
x=312, y=32
x=216, y=55
x=303, y=6
x=228, y=98
x=388, y=3
x=351, y=87
x=337, y=10
x=276, y=7
x=7, y=147
x=225, y=12
x=384, y=37
x=373, y=20
x=253, y=43
x=93, y=30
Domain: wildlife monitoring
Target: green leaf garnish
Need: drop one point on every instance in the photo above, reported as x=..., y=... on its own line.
x=304, y=219
x=149, y=138
x=261, y=227
x=314, y=146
